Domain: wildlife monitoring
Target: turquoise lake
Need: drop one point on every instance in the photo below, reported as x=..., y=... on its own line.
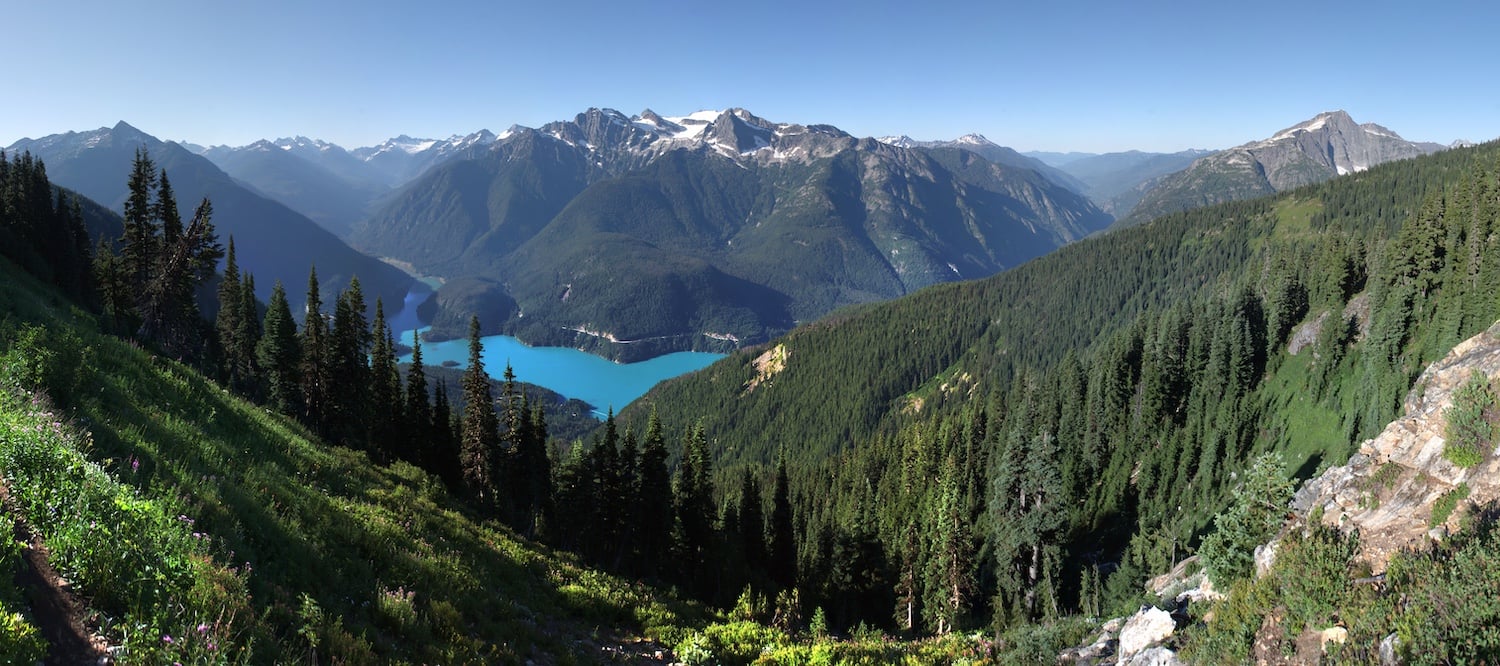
x=573, y=373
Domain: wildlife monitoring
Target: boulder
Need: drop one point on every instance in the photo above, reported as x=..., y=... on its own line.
x=1146, y=628
x=1332, y=636
x=1157, y=656
x=1265, y=558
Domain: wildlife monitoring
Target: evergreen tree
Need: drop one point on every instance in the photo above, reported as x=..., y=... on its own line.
x=279, y=354
x=654, y=502
x=418, y=445
x=386, y=415
x=249, y=335
x=443, y=447
x=480, y=438
x=752, y=523
x=228, y=322
x=695, y=508
x=142, y=236
x=781, y=546
x=349, y=369
x=316, y=367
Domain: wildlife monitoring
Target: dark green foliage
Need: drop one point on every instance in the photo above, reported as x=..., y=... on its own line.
x=238, y=327
x=349, y=341
x=1256, y=510
x=316, y=369
x=781, y=546
x=279, y=355
x=418, y=429
x=42, y=228
x=1444, y=506
x=387, y=417
x=1470, y=429
x=1151, y=381
x=479, y=438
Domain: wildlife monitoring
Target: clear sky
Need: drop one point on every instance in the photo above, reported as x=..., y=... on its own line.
x=1033, y=75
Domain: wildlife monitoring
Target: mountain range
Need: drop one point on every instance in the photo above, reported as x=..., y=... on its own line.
x=637, y=235
x=1330, y=144
x=272, y=241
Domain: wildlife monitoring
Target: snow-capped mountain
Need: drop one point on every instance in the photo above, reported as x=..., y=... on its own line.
x=397, y=161
x=978, y=144
x=689, y=231
x=1329, y=144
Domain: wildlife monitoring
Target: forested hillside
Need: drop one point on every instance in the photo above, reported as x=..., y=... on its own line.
x=1032, y=445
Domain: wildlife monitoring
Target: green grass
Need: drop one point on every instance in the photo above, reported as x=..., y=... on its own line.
x=1305, y=431
x=312, y=551
x=1294, y=215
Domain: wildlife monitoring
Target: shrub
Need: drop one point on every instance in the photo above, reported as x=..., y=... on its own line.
x=1256, y=510
x=1470, y=430
x=1445, y=505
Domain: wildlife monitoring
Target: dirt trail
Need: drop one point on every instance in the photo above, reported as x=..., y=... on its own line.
x=57, y=612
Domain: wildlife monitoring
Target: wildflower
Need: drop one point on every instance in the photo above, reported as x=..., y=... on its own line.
x=166, y=639
x=135, y=464
x=202, y=628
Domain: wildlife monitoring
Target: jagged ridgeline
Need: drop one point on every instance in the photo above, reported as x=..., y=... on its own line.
x=630, y=237
x=1032, y=444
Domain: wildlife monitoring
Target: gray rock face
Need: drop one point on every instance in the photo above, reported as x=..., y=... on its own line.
x=1330, y=144
x=1387, y=489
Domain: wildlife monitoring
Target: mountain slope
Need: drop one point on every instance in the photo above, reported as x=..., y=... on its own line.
x=276, y=172
x=272, y=241
x=983, y=147
x=179, y=507
x=714, y=229
x=1116, y=181
x=975, y=336
x=1328, y=145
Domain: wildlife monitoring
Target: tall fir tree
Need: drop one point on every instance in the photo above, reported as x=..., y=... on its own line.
x=141, y=235
x=781, y=545
x=279, y=354
x=752, y=522
x=418, y=445
x=316, y=369
x=654, y=502
x=479, y=440
x=387, y=417
x=228, y=322
x=443, y=447
x=349, y=369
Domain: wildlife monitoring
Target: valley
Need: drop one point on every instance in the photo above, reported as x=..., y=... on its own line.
x=813, y=397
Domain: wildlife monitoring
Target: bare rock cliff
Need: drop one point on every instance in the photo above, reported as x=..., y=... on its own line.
x=1387, y=490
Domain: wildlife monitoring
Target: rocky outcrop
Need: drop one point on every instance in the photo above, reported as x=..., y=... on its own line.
x=1145, y=629
x=1387, y=489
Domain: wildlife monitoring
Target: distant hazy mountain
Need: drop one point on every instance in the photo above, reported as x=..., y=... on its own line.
x=308, y=186
x=272, y=241
x=1330, y=144
x=1057, y=159
x=977, y=144
x=1114, y=180
x=636, y=235
x=399, y=160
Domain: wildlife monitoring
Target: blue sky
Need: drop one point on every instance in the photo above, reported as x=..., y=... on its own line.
x=1090, y=76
